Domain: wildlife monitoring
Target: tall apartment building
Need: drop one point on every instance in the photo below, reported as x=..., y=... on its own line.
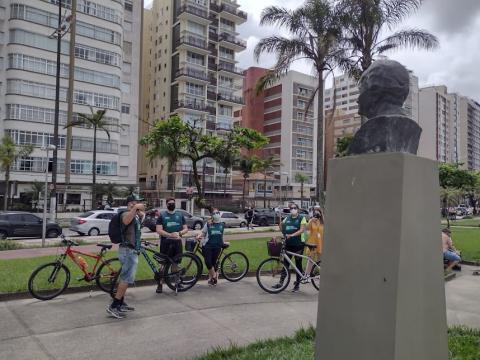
x=280, y=113
x=342, y=119
x=106, y=77
x=192, y=47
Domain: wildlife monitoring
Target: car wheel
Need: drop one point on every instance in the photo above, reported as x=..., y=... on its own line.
x=3, y=235
x=93, y=232
x=198, y=226
x=263, y=222
x=243, y=224
x=52, y=233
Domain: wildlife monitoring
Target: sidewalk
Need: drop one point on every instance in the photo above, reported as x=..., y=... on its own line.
x=167, y=327
x=35, y=252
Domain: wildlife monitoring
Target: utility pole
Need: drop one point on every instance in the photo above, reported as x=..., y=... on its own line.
x=71, y=82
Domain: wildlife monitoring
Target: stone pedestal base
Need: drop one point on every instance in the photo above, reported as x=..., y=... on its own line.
x=382, y=294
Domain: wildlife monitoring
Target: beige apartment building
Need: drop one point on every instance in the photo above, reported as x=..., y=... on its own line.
x=189, y=59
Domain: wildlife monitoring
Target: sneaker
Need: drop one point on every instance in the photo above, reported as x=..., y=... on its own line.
x=125, y=308
x=211, y=282
x=115, y=312
x=277, y=286
x=215, y=281
x=159, y=289
x=296, y=287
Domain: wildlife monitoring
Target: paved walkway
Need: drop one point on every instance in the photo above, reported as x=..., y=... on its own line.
x=29, y=253
x=177, y=327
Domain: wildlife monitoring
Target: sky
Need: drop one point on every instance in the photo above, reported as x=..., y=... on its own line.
x=455, y=64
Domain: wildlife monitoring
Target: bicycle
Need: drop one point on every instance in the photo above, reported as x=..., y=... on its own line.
x=233, y=266
x=51, y=279
x=180, y=272
x=274, y=277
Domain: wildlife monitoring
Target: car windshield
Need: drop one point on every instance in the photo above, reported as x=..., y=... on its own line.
x=87, y=214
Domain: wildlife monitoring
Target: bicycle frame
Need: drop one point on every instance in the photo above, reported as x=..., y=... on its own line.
x=71, y=254
x=284, y=255
x=197, y=250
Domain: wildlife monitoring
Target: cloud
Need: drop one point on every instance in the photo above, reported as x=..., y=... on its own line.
x=450, y=16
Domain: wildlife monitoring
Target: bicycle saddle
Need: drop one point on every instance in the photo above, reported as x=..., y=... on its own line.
x=225, y=245
x=311, y=246
x=105, y=246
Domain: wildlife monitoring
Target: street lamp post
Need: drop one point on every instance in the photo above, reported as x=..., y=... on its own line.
x=45, y=192
x=59, y=32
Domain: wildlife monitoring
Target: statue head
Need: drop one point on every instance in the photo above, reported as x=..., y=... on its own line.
x=384, y=87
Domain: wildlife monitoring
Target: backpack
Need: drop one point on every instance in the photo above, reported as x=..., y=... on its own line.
x=116, y=228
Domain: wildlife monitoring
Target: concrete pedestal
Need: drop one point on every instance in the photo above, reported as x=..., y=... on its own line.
x=382, y=294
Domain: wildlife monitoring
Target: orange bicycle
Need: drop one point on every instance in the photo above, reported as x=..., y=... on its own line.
x=50, y=280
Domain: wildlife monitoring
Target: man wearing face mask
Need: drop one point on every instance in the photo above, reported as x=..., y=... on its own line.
x=171, y=226
x=212, y=235
x=293, y=227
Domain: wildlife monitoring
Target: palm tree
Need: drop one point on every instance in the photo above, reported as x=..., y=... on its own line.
x=110, y=189
x=265, y=165
x=37, y=189
x=247, y=165
x=302, y=179
x=365, y=21
x=9, y=153
x=315, y=30
x=95, y=120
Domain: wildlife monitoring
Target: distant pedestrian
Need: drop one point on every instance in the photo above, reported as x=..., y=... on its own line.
x=212, y=242
x=249, y=215
x=450, y=254
x=131, y=221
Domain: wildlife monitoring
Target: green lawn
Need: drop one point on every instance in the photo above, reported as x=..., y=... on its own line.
x=464, y=344
x=468, y=241
x=463, y=222
x=15, y=273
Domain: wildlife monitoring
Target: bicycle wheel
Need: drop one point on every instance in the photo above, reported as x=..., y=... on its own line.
x=49, y=281
x=273, y=276
x=106, y=273
x=315, y=275
x=200, y=262
x=234, y=266
x=182, y=273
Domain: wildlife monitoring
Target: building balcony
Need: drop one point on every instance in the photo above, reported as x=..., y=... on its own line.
x=230, y=69
x=214, y=7
x=213, y=36
x=212, y=66
x=181, y=168
x=232, y=42
x=191, y=12
x=213, y=80
x=211, y=95
x=189, y=41
x=189, y=73
x=212, y=48
x=224, y=122
x=231, y=12
x=210, y=125
x=190, y=104
x=229, y=99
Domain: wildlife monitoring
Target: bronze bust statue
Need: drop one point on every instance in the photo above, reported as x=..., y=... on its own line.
x=384, y=87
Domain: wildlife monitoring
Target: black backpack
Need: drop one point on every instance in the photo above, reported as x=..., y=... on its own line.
x=116, y=228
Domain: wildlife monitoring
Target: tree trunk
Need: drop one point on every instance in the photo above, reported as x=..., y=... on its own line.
x=7, y=188
x=94, y=167
x=198, y=185
x=320, y=186
x=243, y=192
x=265, y=191
x=301, y=194
x=225, y=186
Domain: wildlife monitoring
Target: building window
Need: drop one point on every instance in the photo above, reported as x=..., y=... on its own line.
x=74, y=199
x=128, y=5
x=125, y=108
x=126, y=88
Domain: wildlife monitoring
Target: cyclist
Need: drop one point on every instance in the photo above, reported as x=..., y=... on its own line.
x=212, y=235
x=128, y=254
x=171, y=226
x=293, y=227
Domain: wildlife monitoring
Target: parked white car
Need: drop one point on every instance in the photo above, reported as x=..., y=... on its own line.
x=232, y=220
x=92, y=223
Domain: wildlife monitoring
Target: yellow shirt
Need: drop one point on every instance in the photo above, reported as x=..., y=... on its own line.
x=315, y=231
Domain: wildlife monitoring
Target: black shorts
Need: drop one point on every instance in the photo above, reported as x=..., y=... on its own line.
x=210, y=254
x=171, y=247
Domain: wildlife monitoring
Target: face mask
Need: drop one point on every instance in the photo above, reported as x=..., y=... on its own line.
x=216, y=217
x=294, y=211
x=317, y=215
x=171, y=207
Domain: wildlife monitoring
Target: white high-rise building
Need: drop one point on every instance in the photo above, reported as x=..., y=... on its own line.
x=107, y=69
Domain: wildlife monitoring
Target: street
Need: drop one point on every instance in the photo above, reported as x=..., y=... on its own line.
x=165, y=326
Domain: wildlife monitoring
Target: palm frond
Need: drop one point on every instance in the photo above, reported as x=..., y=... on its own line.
x=414, y=38
x=79, y=122
x=282, y=17
x=394, y=11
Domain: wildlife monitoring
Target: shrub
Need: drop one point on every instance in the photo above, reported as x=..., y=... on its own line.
x=9, y=245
